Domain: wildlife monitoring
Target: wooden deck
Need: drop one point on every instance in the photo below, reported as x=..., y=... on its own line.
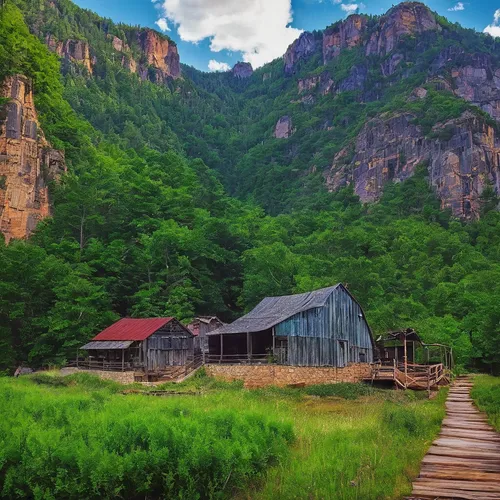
x=416, y=377
x=464, y=461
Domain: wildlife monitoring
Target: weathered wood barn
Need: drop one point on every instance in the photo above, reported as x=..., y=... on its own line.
x=150, y=345
x=325, y=327
x=200, y=327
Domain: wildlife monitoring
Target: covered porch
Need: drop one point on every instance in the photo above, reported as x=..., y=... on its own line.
x=409, y=363
x=123, y=355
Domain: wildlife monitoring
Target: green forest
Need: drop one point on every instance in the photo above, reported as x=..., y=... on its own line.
x=178, y=202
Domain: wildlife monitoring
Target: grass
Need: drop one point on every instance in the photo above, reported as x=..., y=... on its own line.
x=343, y=441
x=486, y=393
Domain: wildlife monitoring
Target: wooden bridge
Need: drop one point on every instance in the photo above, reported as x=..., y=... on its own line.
x=411, y=376
x=464, y=461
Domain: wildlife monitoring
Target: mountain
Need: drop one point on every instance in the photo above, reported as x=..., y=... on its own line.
x=132, y=184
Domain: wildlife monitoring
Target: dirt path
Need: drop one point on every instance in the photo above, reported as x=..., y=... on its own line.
x=464, y=461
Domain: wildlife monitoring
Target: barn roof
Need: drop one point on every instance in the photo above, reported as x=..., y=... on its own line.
x=132, y=329
x=273, y=310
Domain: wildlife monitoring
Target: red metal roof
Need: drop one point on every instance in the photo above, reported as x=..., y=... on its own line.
x=132, y=329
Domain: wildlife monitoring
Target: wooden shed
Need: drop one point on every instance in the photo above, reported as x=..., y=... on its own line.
x=200, y=327
x=325, y=327
x=149, y=345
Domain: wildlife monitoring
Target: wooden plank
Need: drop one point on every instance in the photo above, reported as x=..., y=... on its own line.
x=467, y=444
x=434, y=493
x=455, y=484
x=460, y=473
x=453, y=452
x=445, y=462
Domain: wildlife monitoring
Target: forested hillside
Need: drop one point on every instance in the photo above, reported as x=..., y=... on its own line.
x=182, y=197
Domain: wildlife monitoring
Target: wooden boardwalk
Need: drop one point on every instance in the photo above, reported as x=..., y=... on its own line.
x=464, y=461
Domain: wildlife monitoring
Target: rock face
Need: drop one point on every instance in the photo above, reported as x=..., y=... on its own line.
x=346, y=34
x=27, y=162
x=409, y=18
x=460, y=162
x=118, y=44
x=72, y=50
x=160, y=54
x=300, y=49
x=242, y=70
x=355, y=80
x=283, y=128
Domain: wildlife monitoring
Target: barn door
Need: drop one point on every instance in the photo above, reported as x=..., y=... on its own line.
x=281, y=350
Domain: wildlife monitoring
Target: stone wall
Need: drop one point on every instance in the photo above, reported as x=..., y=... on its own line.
x=120, y=377
x=262, y=375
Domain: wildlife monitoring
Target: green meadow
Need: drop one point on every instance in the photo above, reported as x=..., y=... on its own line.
x=80, y=437
x=486, y=393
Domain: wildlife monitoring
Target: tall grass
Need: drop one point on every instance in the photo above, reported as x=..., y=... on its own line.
x=77, y=438
x=80, y=438
x=486, y=393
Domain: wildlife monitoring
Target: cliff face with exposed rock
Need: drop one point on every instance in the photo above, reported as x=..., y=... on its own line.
x=27, y=162
x=242, y=70
x=389, y=149
x=161, y=55
x=300, y=49
x=346, y=34
x=76, y=51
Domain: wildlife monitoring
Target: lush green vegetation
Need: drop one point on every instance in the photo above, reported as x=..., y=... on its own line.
x=486, y=393
x=142, y=226
x=68, y=443
x=78, y=437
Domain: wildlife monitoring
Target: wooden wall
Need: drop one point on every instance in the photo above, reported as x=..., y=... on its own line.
x=334, y=335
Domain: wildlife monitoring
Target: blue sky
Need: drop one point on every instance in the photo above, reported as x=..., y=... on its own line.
x=215, y=34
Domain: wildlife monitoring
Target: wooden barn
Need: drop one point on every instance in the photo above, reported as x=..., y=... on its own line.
x=149, y=345
x=200, y=327
x=325, y=327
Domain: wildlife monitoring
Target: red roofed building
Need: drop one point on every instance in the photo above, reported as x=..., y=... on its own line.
x=151, y=346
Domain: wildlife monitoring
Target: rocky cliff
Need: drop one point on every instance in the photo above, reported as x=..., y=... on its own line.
x=300, y=49
x=76, y=51
x=27, y=162
x=242, y=70
x=462, y=157
x=343, y=35
x=409, y=18
x=160, y=53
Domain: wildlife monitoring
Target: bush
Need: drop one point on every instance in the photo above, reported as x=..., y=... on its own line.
x=342, y=390
x=402, y=419
x=62, y=443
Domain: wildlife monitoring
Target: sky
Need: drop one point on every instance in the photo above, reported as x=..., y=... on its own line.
x=212, y=35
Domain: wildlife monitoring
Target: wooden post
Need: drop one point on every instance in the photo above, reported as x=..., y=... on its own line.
x=221, y=348
x=406, y=360
x=123, y=360
x=249, y=346
x=77, y=356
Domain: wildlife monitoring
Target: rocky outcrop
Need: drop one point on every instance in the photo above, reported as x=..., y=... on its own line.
x=462, y=158
x=322, y=82
x=242, y=70
x=345, y=34
x=27, y=162
x=283, y=128
x=73, y=50
x=390, y=65
x=410, y=18
x=306, y=84
x=161, y=55
x=355, y=80
x=300, y=49
x=479, y=83
x=118, y=44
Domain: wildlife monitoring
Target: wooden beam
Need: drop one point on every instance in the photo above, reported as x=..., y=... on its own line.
x=123, y=360
x=249, y=346
x=221, y=347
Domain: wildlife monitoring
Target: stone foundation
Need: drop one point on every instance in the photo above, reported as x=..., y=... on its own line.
x=262, y=375
x=120, y=377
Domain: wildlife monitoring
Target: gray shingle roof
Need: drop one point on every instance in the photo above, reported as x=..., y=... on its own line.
x=273, y=310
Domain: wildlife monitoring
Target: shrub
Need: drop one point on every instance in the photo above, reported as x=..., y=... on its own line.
x=62, y=443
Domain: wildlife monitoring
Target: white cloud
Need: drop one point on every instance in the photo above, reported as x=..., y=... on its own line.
x=350, y=8
x=257, y=28
x=162, y=24
x=494, y=28
x=214, y=65
x=457, y=7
